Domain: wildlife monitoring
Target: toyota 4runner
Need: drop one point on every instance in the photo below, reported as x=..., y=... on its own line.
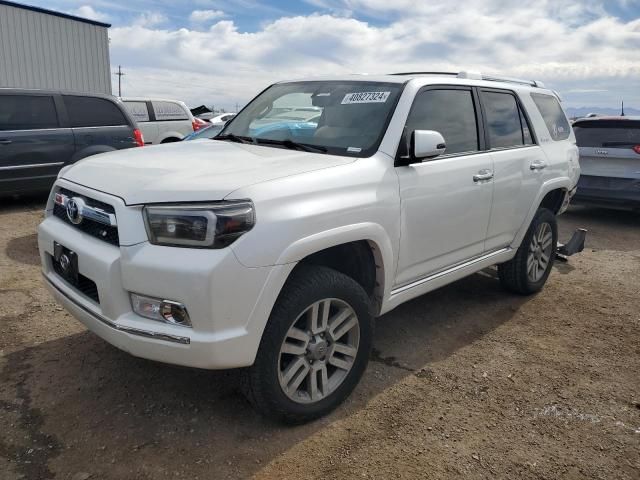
x=274, y=245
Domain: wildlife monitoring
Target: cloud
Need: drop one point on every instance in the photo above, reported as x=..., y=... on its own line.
x=87, y=11
x=198, y=16
x=150, y=19
x=570, y=45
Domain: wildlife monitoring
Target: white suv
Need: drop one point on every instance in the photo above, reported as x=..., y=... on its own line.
x=161, y=121
x=274, y=245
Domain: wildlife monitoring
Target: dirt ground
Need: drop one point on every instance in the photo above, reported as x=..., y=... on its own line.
x=465, y=382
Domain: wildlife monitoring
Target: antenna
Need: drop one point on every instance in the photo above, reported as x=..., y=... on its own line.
x=622, y=114
x=120, y=74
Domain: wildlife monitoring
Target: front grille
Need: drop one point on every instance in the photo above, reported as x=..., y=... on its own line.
x=99, y=230
x=84, y=285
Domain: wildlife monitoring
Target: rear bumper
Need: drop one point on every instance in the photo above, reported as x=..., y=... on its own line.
x=608, y=191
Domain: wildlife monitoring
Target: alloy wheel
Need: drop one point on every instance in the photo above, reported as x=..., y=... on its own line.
x=540, y=251
x=318, y=351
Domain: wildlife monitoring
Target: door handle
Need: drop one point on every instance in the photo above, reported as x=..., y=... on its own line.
x=4, y=141
x=483, y=175
x=537, y=165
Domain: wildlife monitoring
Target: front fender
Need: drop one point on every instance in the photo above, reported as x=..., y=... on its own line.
x=373, y=233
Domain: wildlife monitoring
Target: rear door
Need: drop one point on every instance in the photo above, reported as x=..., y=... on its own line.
x=98, y=125
x=33, y=147
x=519, y=164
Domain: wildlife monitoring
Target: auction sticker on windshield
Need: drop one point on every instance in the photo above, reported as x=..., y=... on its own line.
x=365, y=97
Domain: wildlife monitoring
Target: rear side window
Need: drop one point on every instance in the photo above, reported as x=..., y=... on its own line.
x=169, y=111
x=27, y=112
x=607, y=133
x=553, y=116
x=450, y=112
x=93, y=112
x=506, y=124
x=138, y=111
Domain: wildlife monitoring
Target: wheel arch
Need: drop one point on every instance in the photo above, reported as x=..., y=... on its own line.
x=345, y=248
x=551, y=195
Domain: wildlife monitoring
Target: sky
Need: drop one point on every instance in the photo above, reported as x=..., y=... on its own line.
x=223, y=53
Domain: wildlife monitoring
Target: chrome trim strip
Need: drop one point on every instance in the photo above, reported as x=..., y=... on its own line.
x=447, y=271
x=93, y=213
x=32, y=165
x=133, y=331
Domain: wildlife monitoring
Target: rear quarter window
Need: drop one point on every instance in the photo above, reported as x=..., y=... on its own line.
x=169, y=111
x=93, y=112
x=553, y=116
x=138, y=111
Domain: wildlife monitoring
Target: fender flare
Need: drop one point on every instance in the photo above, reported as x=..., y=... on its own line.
x=166, y=135
x=298, y=250
x=553, y=184
x=91, y=150
x=370, y=232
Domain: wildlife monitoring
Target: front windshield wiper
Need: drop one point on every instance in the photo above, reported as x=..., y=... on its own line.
x=234, y=138
x=290, y=144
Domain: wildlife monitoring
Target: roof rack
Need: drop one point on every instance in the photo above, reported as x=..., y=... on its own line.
x=478, y=76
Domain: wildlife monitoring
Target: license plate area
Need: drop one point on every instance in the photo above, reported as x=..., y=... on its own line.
x=65, y=264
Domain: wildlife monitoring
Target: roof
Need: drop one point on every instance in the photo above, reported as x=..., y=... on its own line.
x=609, y=118
x=54, y=13
x=461, y=78
x=44, y=91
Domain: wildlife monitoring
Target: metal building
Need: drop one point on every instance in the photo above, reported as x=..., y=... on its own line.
x=44, y=49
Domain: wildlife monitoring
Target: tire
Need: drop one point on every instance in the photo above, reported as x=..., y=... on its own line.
x=270, y=385
x=527, y=272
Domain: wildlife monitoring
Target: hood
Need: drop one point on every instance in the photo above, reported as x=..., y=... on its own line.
x=200, y=170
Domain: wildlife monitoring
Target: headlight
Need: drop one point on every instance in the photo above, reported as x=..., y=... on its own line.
x=211, y=225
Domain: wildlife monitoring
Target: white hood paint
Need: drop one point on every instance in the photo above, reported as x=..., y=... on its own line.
x=200, y=170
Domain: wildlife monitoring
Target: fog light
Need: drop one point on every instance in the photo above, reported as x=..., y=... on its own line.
x=166, y=311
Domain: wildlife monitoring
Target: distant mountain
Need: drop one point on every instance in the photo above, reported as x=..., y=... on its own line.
x=582, y=111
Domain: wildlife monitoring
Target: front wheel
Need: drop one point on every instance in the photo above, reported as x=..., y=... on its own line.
x=527, y=272
x=315, y=346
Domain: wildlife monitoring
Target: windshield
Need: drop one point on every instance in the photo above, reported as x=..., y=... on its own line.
x=607, y=133
x=335, y=117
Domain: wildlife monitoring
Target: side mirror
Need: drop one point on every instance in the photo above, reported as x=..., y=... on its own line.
x=427, y=144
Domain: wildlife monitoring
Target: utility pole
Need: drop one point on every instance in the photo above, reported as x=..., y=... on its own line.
x=119, y=73
x=622, y=113
x=236, y=107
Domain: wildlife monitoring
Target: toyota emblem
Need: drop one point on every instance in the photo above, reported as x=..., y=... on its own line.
x=75, y=207
x=64, y=263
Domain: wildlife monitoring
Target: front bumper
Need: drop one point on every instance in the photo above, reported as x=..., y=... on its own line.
x=608, y=191
x=226, y=301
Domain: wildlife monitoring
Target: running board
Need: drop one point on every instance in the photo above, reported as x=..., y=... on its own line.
x=449, y=271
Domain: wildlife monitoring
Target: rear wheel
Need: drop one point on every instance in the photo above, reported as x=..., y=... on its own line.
x=315, y=347
x=528, y=271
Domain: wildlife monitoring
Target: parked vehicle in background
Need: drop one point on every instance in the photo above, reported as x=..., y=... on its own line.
x=275, y=252
x=610, y=161
x=198, y=123
x=42, y=131
x=219, y=119
x=161, y=121
x=210, y=131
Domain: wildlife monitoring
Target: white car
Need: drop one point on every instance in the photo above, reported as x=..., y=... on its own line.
x=220, y=119
x=161, y=120
x=276, y=251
